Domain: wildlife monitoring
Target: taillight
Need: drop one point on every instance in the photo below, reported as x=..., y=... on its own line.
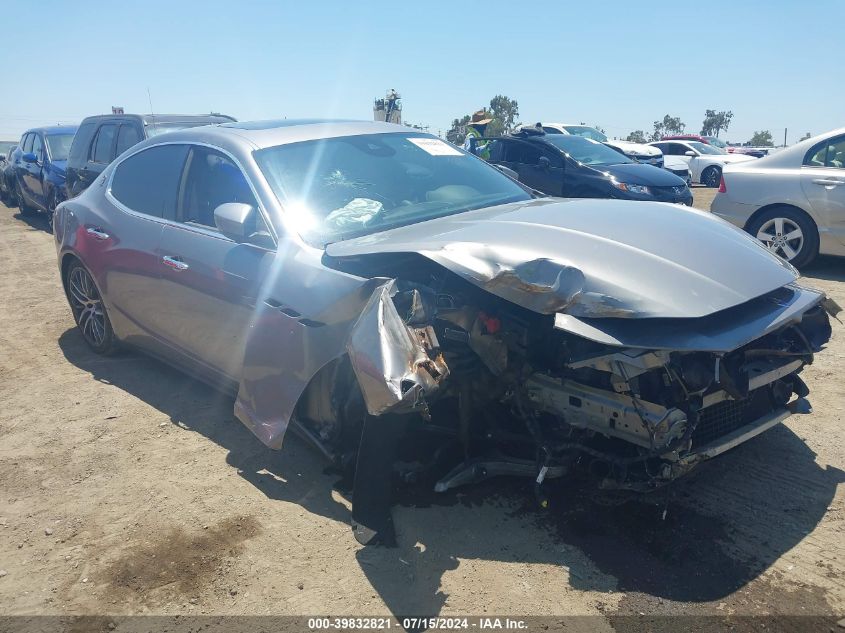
x=722, y=188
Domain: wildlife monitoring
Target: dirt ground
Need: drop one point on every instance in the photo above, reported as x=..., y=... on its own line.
x=128, y=488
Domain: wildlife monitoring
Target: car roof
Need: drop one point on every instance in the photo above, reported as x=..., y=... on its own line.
x=260, y=134
x=53, y=129
x=163, y=118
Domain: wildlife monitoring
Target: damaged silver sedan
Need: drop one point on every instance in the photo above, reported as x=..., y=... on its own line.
x=412, y=311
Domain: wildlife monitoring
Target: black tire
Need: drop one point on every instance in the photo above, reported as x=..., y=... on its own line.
x=805, y=249
x=24, y=208
x=88, y=309
x=52, y=203
x=711, y=177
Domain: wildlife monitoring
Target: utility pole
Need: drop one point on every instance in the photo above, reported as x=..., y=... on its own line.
x=784, y=137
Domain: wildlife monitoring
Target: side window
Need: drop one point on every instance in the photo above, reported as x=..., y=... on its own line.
x=101, y=150
x=127, y=136
x=676, y=149
x=830, y=153
x=555, y=159
x=27, y=143
x=81, y=142
x=148, y=182
x=211, y=179
x=522, y=153
x=37, y=147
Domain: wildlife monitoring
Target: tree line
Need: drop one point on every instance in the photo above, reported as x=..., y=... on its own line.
x=504, y=113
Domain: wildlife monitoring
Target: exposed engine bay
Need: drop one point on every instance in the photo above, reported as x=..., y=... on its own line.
x=508, y=393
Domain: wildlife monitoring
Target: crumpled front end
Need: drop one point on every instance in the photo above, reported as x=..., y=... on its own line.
x=396, y=359
x=514, y=390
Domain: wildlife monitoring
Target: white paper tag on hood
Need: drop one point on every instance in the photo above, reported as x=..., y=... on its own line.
x=435, y=147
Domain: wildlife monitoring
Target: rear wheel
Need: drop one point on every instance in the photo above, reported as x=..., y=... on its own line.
x=788, y=232
x=88, y=310
x=711, y=177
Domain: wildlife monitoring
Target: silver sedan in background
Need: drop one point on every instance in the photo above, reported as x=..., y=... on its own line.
x=792, y=201
x=414, y=313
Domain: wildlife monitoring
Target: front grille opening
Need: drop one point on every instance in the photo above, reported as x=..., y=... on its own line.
x=729, y=415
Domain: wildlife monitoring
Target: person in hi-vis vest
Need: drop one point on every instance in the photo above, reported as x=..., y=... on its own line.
x=475, y=131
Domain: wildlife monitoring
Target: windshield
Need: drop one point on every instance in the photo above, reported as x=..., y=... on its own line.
x=705, y=149
x=586, y=131
x=337, y=188
x=154, y=129
x=586, y=151
x=59, y=145
x=716, y=142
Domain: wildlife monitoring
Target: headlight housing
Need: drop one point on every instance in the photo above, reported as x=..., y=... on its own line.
x=640, y=190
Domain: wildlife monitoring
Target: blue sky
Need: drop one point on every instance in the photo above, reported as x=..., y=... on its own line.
x=619, y=64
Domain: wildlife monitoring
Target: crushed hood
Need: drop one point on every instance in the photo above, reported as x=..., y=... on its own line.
x=593, y=258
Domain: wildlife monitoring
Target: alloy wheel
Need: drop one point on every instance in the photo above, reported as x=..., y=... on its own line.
x=87, y=306
x=783, y=237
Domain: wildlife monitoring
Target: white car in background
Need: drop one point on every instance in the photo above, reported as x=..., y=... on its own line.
x=639, y=152
x=792, y=201
x=705, y=161
x=678, y=167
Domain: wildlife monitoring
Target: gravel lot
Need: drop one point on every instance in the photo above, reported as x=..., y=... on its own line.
x=127, y=488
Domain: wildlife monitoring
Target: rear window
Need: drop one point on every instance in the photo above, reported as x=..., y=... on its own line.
x=147, y=182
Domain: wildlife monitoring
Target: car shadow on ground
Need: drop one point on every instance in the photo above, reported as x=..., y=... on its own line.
x=698, y=553
x=36, y=221
x=825, y=267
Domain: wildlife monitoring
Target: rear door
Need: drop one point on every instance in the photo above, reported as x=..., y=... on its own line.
x=823, y=182
x=209, y=282
x=122, y=241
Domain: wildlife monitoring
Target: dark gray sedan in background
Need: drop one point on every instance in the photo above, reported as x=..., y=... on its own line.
x=413, y=312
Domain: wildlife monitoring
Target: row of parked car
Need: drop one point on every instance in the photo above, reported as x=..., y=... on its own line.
x=51, y=164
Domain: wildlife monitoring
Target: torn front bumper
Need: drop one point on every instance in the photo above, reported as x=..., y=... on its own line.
x=396, y=360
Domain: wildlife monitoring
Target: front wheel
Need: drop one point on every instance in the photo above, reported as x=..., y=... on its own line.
x=89, y=312
x=789, y=233
x=25, y=209
x=52, y=203
x=711, y=177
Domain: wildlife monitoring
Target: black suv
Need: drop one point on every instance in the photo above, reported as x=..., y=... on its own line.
x=102, y=138
x=577, y=167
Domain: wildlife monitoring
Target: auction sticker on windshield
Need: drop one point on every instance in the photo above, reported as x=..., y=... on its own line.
x=435, y=147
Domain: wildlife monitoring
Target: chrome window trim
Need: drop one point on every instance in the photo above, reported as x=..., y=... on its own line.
x=184, y=225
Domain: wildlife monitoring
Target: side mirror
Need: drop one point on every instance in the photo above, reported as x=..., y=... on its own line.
x=29, y=157
x=236, y=221
x=545, y=163
x=690, y=153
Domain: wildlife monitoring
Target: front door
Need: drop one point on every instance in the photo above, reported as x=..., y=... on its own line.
x=209, y=282
x=33, y=175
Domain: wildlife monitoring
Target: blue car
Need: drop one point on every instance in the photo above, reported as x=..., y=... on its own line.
x=40, y=165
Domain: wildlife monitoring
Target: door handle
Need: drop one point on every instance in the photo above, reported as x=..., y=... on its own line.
x=828, y=182
x=97, y=233
x=175, y=263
